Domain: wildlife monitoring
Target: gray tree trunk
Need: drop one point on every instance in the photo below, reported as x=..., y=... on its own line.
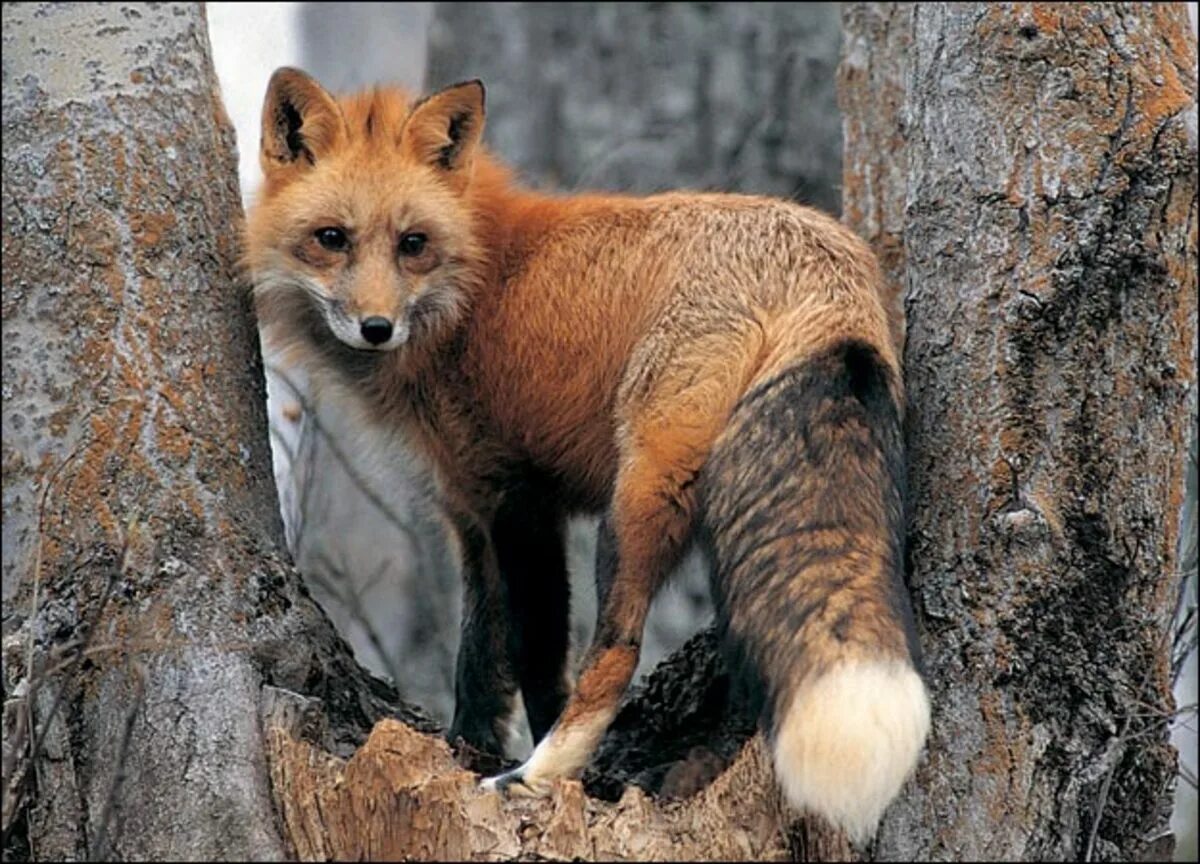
x=148, y=615
x=1028, y=175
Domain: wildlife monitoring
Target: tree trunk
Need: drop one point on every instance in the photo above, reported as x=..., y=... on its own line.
x=147, y=606
x=1043, y=158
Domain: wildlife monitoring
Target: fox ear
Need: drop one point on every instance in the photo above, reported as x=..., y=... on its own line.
x=300, y=120
x=444, y=129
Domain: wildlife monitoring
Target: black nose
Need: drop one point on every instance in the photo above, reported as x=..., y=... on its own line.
x=377, y=330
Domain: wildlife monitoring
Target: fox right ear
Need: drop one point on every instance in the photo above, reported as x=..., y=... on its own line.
x=444, y=129
x=300, y=120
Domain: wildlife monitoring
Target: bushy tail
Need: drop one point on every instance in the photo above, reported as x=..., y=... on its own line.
x=803, y=508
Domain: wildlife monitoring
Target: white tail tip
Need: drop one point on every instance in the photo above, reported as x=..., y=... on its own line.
x=849, y=740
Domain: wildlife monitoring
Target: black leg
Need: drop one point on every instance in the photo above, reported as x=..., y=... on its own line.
x=485, y=683
x=529, y=538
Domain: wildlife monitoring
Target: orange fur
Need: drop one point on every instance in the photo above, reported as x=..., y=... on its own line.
x=601, y=343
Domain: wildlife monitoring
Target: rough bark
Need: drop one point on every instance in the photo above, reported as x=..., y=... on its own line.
x=146, y=602
x=1044, y=160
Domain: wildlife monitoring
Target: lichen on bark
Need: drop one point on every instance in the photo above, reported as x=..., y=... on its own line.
x=1047, y=156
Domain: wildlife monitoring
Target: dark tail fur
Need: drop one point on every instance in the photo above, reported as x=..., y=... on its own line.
x=803, y=503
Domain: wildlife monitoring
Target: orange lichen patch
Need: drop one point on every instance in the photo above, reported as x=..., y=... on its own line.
x=60, y=420
x=151, y=323
x=115, y=151
x=173, y=440
x=94, y=240
x=152, y=298
x=1171, y=25
x=996, y=760
x=94, y=353
x=1046, y=15
x=1007, y=23
x=1157, y=102
x=1042, y=497
x=1012, y=439
x=64, y=170
x=1181, y=209
x=132, y=429
x=131, y=373
x=187, y=495
x=149, y=228
x=83, y=487
x=999, y=485
x=167, y=392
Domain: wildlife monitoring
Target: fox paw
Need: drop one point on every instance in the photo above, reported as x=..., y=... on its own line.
x=516, y=783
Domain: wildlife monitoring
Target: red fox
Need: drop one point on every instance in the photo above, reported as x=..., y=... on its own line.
x=698, y=368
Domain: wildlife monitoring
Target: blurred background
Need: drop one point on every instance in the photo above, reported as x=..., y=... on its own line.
x=619, y=96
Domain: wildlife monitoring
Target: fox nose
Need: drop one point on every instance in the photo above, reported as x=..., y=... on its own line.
x=377, y=329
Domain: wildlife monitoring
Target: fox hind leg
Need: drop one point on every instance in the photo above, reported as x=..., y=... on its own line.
x=644, y=533
x=674, y=407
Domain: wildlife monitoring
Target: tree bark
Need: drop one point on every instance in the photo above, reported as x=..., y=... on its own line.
x=146, y=602
x=1043, y=157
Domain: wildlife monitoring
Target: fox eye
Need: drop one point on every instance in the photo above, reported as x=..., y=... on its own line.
x=412, y=243
x=333, y=239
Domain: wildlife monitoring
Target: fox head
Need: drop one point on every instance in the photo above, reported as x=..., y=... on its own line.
x=364, y=227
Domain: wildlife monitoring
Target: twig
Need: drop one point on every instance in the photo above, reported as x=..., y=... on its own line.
x=1104, y=788
x=344, y=460
x=1188, y=776
x=353, y=603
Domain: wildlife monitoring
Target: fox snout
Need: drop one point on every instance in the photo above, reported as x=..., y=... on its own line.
x=365, y=329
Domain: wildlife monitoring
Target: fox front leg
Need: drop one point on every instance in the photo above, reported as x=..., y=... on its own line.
x=485, y=687
x=528, y=537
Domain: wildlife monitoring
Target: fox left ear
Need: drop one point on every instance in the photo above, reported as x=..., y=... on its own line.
x=444, y=129
x=301, y=122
